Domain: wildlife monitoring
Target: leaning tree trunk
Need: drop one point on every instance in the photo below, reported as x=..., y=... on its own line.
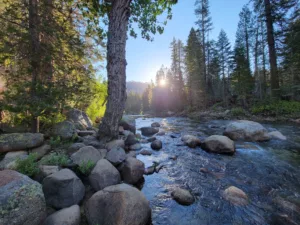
x=116, y=69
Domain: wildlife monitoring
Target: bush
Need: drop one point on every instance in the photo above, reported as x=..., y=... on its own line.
x=28, y=166
x=238, y=111
x=277, y=108
x=86, y=167
x=55, y=159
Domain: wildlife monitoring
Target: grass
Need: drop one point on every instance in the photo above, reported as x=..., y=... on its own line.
x=55, y=159
x=277, y=108
x=86, y=167
x=28, y=166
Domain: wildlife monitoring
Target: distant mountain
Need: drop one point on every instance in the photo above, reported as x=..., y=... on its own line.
x=138, y=87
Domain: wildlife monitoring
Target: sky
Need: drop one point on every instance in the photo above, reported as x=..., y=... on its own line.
x=145, y=58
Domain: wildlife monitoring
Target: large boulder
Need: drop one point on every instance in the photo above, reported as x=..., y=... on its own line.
x=80, y=117
x=131, y=140
x=20, y=141
x=277, y=135
x=63, y=189
x=118, y=205
x=149, y=131
x=66, y=130
x=128, y=123
x=114, y=144
x=10, y=159
x=41, y=151
x=75, y=147
x=66, y=216
x=155, y=124
x=116, y=156
x=156, y=145
x=235, y=196
x=132, y=170
x=85, y=154
x=246, y=130
x=22, y=200
x=103, y=175
x=191, y=141
x=218, y=144
x=182, y=196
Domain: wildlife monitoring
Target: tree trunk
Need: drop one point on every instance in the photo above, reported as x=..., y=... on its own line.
x=272, y=50
x=116, y=69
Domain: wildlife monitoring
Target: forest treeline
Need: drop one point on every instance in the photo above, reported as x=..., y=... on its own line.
x=260, y=72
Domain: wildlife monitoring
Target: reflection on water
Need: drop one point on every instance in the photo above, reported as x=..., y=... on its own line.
x=267, y=172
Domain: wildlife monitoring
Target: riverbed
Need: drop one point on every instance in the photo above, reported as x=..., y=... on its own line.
x=268, y=172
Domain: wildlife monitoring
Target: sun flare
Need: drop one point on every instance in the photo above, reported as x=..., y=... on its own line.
x=162, y=82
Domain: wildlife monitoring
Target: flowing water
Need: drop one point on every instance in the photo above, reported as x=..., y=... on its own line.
x=267, y=172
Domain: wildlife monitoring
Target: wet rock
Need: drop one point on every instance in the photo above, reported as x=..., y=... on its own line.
x=116, y=156
x=145, y=152
x=80, y=117
x=287, y=205
x=66, y=130
x=22, y=200
x=156, y=145
x=174, y=157
x=149, y=131
x=20, y=141
x=135, y=147
x=10, y=159
x=138, y=136
x=236, y=196
x=128, y=123
x=115, y=144
x=182, y=196
x=204, y=170
x=41, y=151
x=84, y=133
x=132, y=170
x=282, y=219
x=131, y=140
x=218, y=144
x=75, y=147
x=191, y=141
x=155, y=124
x=66, y=216
x=151, y=139
x=246, y=130
x=63, y=189
x=120, y=205
x=103, y=175
x=131, y=154
x=149, y=170
x=85, y=154
x=174, y=135
x=161, y=133
x=277, y=135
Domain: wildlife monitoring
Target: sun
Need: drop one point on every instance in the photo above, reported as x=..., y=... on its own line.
x=162, y=82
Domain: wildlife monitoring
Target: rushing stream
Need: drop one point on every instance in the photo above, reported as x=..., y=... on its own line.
x=267, y=172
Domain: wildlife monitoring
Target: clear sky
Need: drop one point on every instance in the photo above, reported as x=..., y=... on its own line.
x=145, y=58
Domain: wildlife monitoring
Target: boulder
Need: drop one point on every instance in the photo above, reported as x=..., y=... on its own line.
x=156, y=145
x=135, y=147
x=182, y=196
x=103, y=153
x=118, y=205
x=63, y=189
x=161, y=133
x=151, y=139
x=128, y=123
x=277, y=135
x=66, y=130
x=66, y=216
x=10, y=159
x=41, y=151
x=75, y=147
x=80, y=117
x=22, y=200
x=132, y=170
x=149, y=131
x=246, y=130
x=46, y=171
x=103, y=175
x=155, y=124
x=145, y=152
x=131, y=140
x=83, y=133
x=218, y=144
x=20, y=141
x=131, y=154
x=116, y=156
x=235, y=196
x=85, y=154
x=115, y=144
x=191, y=141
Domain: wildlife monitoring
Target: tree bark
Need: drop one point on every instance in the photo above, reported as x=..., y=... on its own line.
x=272, y=49
x=116, y=69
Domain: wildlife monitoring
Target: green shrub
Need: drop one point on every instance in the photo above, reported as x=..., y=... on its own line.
x=86, y=167
x=277, y=108
x=28, y=166
x=55, y=141
x=55, y=159
x=238, y=111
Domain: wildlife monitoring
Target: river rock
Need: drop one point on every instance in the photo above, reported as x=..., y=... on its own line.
x=115, y=144
x=128, y=123
x=151, y=139
x=236, y=196
x=63, y=189
x=116, y=156
x=66, y=216
x=145, y=152
x=131, y=140
x=132, y=170
x=135, y=147
x=41, y=151
x=182, y=196
x=131, y=154
x=66, y=130
x=277, y=135
x=191, y=141
x=20, y=141
x=22, y=200
x=10, y=159
x=246, y=130
x=80, y=117
x=161, y=133
x=156, y=145
x=155, y=124
x=85, y=154
x=149, y=131
x=218, y=144
x=75, y=147
x=103, y=175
